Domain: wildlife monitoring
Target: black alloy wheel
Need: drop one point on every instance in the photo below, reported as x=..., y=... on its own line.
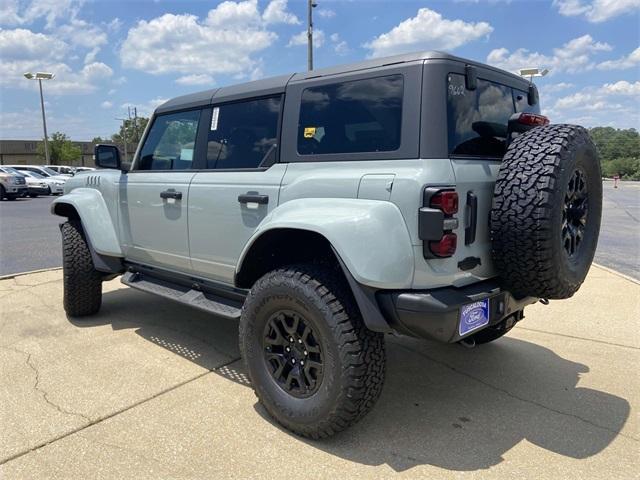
x=293, y=354
x=575, y=212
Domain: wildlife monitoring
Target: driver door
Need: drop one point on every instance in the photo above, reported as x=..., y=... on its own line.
x=154, y=194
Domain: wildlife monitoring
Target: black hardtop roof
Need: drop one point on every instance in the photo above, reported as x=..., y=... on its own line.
x=274, y=85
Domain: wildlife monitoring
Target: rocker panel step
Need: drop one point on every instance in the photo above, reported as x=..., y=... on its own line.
x=206, y=301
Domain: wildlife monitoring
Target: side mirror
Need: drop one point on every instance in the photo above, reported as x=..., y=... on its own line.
x=107, y=156
x=532, y=95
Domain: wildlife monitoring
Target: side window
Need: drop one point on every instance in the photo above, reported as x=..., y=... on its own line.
x=243, y=134
x=351, y=117
x=477, y=119
x=170, y=143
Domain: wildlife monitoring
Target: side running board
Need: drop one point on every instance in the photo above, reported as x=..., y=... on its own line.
x=208, y=302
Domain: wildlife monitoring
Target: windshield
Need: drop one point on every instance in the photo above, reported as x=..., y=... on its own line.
x=50, y=171
x=36, y=175
x=13, y=171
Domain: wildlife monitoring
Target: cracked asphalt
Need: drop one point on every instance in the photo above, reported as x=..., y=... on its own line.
x=152, y=389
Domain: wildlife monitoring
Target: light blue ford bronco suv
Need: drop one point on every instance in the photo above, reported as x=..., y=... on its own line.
x=420, y=194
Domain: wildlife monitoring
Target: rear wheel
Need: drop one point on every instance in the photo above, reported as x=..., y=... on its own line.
x=82, y=282
x=3, y=193
x=313, y=364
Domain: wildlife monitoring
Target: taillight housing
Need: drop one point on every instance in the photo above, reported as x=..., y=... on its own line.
x=436, y=222
x=533, y=119
x=445, y=200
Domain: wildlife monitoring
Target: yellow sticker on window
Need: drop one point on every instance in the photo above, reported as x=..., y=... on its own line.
x=309, y=132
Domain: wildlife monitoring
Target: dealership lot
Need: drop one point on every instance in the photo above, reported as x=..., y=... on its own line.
x=151, y=389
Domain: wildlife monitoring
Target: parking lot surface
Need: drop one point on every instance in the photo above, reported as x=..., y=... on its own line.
x=29, y=236
x=152, y=389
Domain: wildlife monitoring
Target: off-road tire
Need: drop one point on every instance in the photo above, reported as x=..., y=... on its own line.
x=33, y=195
x=528, y=214
x=82, y=282
x=354, y=356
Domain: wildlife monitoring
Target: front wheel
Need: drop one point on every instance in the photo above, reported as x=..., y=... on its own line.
x=82, y=282
x=313, y=364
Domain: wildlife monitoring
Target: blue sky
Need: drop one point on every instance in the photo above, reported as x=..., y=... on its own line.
x=111, y=54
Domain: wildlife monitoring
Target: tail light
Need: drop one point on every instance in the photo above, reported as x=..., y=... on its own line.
x=446, y=246
x=437, y=221
x=445, y=200
x=533, y=119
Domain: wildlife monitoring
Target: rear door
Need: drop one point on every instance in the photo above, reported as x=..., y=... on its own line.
x=154, y=195
x=239, y=185
x=477, y=132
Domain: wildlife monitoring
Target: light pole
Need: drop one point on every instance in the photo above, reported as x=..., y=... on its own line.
x=42, y=76
x=311, y=5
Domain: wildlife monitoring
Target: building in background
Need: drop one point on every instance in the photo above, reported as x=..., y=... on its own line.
x=25, y=152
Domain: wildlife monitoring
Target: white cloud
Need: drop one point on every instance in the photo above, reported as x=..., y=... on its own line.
x=106, y=104
x=427, y=30
x=14, y=12
x=114, y=25
x=557, y=87
x=81, y=34
x=276, y=12
x=145, y=109
x=573, y=57
x=22, y=44
x=622, y=63
x=326, y=13
x=223, y=43
x=301, y=39
x=596, y=11
x=610, y=104
x=340, y=47
x=196, y=79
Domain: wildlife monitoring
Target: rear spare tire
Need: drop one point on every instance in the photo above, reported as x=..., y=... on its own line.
x=545, y=218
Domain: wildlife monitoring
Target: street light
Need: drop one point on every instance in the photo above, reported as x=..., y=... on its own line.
x=39, y=76
x=311, y=5
x=533, y=72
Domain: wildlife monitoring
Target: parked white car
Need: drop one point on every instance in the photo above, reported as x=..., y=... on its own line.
x=36, y=186
x=62, y=169
x=53, y=185
x=42, y=170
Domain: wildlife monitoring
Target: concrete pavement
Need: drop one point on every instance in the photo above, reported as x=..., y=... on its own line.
x=151, y=389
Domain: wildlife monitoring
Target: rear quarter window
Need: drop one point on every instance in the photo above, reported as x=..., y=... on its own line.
x=477, y=119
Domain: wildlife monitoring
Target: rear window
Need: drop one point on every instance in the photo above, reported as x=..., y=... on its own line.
x=477, y=119
x=351, y=117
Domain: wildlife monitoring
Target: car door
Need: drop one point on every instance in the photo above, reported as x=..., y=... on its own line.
x=239, y=185
x=154, y=194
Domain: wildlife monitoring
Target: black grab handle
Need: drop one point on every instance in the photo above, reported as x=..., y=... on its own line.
x=470, y=230
x=171, y=194
x=253, y=198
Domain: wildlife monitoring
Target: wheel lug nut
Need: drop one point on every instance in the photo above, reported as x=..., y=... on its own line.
x=301, y=362
x=288, y=349
x=293, y=360
x=299, y=341
x=291, y=339
x=306, y=353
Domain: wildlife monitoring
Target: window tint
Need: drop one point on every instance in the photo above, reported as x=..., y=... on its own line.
x=477, y=119
x=521, y=100
x=244, y=134
x=170, y=143
x=350, y=117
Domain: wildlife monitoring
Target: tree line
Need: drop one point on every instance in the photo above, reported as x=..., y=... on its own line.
x=619, y=151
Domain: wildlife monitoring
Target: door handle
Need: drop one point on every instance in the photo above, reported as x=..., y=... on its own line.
x=470, y=230
x=171, y=193
x=253, y=198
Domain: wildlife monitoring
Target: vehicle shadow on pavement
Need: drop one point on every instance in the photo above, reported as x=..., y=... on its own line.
x=442, y=405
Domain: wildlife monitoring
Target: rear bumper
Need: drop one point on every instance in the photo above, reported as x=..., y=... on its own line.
x=435, y=314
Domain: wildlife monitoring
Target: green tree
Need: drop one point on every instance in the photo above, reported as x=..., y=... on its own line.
x=61, y=150
x=130, y=130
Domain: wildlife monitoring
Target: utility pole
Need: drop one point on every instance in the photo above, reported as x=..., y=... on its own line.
x=311, y=5
x=124, y=135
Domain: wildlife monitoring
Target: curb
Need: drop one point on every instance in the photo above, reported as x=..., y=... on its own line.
x=19, y=274
x=615, y=272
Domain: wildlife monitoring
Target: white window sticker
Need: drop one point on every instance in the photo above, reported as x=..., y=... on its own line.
x=214, y=118
x=186, y=154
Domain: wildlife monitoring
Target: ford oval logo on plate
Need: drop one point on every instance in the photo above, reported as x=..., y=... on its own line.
x=474, y=316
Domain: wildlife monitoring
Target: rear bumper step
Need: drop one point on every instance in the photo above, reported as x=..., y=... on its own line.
x=206, y=301
x=435, y=314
